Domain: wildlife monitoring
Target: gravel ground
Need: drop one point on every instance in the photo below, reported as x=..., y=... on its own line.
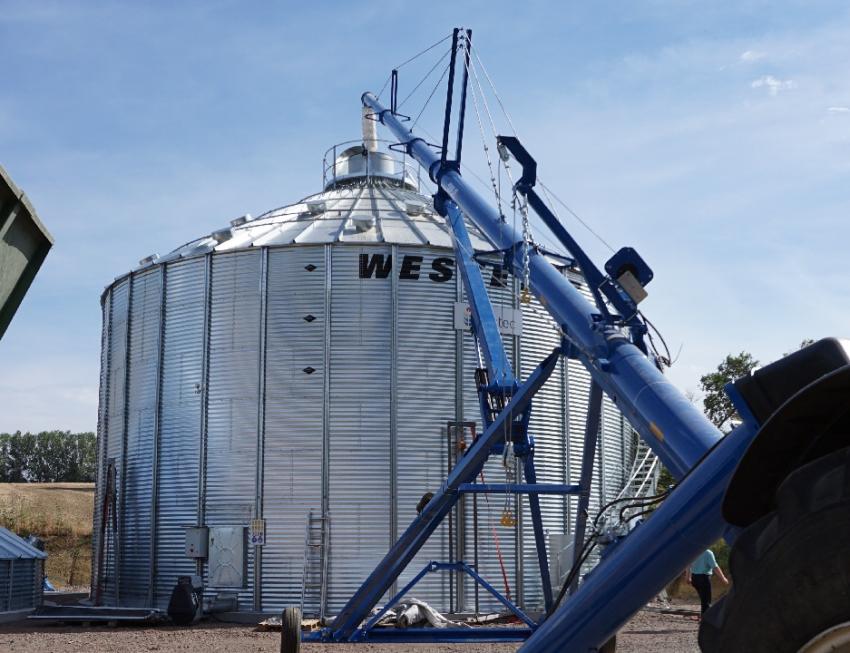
x=647, y=632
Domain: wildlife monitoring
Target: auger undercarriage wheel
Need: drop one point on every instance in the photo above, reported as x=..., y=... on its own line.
x=791, y=570
x=290, y=630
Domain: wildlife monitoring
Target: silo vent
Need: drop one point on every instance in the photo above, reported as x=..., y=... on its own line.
x=415, y=208
x=242, y=219
x=315, y=207
x=363, y=224
x=148, y=260
x=221, y=235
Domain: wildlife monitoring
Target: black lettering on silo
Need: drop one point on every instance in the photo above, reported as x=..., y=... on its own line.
x=410, y=267
x=443, y=269
x=377, y=265
x=499, y=278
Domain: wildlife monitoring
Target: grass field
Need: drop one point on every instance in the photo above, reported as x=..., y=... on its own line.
x=60, y=514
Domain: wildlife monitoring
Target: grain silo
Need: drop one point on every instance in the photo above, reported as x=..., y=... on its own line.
x=315, y=361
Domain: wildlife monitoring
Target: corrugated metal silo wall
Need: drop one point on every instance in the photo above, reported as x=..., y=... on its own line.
x=294, y=412
x=360, y=400
x=360, y=376
x=137, y=473
x=424, y=397
x=20, y=584
x=233, y=400
x=115, y=423
x=179, y=437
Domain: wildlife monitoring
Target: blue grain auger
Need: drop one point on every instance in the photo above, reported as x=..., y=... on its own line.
x=777, y=486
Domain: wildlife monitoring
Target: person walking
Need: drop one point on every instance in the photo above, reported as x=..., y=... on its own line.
x=699, y=575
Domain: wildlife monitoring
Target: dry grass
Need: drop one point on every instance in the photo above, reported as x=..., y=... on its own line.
x=60, y=514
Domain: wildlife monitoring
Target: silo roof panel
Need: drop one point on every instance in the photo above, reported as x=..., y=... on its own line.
x=13, y=547
x=368, y=213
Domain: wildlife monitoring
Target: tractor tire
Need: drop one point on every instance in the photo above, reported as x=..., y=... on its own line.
x=790, y=569
x=290, y=630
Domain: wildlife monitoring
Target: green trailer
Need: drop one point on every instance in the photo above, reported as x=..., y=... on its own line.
x=24, y=243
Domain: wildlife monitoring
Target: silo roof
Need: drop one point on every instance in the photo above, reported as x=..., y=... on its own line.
x=362, y=213
x=13, y=547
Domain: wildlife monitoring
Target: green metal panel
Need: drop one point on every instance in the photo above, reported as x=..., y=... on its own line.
x=24, y=243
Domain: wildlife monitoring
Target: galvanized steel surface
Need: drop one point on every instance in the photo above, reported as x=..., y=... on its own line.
x=254, y=388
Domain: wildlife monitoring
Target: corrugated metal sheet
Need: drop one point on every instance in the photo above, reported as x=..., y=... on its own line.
x=233, y=400
x=20, y=584
x=424, y=384
x=180, y=422
x=138, y=473
x=359, y=473
x=547, y=427
x=369, y=366
x=102, y=434
x=114, y=444
x=294, y=417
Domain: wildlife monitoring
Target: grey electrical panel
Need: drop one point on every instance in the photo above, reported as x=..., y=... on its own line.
x=197, y=539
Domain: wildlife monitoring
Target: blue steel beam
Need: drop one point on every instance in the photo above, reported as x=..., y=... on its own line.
x=591, y=435
x=484, y=321
x=483, y=318
x=411, y=541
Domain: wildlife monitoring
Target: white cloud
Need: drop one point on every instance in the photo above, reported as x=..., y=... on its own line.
x=752, y=55
x=772, y=84
x=839, y=109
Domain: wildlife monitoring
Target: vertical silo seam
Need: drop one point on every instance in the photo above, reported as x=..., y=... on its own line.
x=326, y=430
x=393, y=440
x=205, y=372
x=565, y=434
x=127, y=353
x=102, y=435
x=157, y=428
x=261, y=425
x=326, y=391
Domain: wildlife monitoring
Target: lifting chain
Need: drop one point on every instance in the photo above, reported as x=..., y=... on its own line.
x=525, y=294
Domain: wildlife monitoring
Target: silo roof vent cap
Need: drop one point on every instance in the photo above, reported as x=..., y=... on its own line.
x=242, y=219
x=363, y=224
x=148, y=260
x=221, y=235
x=315, y=207
x=415, y=208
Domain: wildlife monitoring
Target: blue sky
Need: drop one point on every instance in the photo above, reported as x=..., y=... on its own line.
x=713, y=137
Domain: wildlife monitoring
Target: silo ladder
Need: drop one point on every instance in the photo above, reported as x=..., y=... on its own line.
x=314, y=581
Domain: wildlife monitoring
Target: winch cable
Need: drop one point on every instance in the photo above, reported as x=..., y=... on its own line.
x=424, y=79
x=434, y=90
x=411, y=59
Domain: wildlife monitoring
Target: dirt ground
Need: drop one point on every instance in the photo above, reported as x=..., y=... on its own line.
x=647, y=632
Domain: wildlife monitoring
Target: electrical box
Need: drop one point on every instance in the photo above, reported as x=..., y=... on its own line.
x=197, y=538
x=228, y=565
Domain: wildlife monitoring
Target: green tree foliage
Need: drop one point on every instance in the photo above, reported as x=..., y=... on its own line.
x=718, y=407
x=47, y=457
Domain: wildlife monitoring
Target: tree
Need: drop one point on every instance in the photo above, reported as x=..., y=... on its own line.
x=718, y=407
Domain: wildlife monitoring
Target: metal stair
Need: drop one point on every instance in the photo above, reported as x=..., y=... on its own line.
x=643, y=477
x=314, y=580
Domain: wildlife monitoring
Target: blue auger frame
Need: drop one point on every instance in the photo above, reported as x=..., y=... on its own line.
x=639, y=566
x=611, y=348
